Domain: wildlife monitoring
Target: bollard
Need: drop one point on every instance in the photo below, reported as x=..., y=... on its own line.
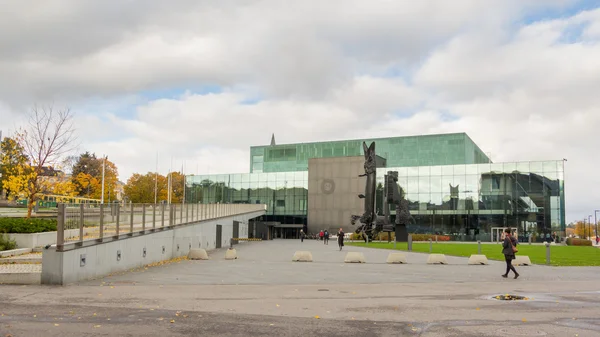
x=410, y=242
x=430, y=246
x=436, y=239
x=547, y=253
x=479, y=247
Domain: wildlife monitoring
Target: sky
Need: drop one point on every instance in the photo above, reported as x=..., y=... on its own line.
x=199, y=82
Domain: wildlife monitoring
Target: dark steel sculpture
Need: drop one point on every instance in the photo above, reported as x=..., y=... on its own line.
x=371, y=224
x=369, y=216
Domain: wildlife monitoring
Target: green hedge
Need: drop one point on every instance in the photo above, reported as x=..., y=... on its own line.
x=22, y=225
x=578, y=242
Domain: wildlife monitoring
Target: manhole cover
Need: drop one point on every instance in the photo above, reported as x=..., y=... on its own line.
x=520, y=331
x=508, y=297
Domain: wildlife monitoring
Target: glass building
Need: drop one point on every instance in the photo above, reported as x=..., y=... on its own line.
x=468, y=201
x=445, y=149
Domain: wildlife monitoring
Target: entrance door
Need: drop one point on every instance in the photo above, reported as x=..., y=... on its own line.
x=236, y=232
x=497, y=233
x=219, y=236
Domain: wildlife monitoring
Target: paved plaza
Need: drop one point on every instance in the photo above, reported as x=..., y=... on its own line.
x=264, y=293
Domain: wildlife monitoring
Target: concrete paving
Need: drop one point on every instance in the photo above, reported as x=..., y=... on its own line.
x=264, y=293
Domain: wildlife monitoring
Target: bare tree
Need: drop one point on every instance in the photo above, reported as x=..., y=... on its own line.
x=49, y=136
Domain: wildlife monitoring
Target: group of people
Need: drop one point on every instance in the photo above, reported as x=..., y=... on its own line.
x=324, y=236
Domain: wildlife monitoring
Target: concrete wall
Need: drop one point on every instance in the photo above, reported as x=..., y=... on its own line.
x=333, y=189
x=34, y=240
x=101, y=260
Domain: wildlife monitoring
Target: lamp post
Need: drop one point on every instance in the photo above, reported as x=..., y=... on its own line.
x=590, y=224
x=103, y=165
x=596, y=220
x=584, y=228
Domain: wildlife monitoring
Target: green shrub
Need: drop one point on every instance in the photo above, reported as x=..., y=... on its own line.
x=426, y=237
x=578, y=242
x=23, y=225
x=6, y=243
x=355, y=236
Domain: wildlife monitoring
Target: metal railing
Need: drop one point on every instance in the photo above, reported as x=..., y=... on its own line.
x=88, y=224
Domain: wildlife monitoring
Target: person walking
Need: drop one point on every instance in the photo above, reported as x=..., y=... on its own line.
x=321, y=234
x=340, y=238
x=509, y=248
x=326, y=237
x=302, y=235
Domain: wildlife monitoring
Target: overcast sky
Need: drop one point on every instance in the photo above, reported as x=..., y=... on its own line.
x=202, y=81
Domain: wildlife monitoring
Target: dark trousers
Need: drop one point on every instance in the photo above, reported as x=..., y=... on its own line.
x=509, y=265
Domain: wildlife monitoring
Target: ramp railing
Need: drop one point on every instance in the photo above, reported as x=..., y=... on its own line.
x=81, y=225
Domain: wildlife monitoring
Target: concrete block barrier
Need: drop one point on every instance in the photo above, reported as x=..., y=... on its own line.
x=478, y=259
x=396, y=258
x=302, y=256
x=231, y=254
x=197, y=254
x=522, y=260
x=355, y=257
x=437, y=259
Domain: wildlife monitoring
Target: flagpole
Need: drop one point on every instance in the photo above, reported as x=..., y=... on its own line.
x=103, y=165
x=183, y=174
x=156, y=181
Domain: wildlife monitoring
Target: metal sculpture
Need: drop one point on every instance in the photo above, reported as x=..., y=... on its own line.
x=369, y=216
x=371, y=224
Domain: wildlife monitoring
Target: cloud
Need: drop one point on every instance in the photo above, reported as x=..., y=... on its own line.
x=521, y=79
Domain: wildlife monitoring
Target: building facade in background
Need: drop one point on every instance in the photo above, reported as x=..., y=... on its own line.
x=452, y=187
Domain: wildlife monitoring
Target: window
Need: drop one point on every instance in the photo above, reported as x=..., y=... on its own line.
x=280, y=203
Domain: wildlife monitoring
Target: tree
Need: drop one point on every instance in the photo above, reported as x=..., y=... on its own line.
x=87, y=177
x=48, y=137
x=13, y=162
x=583, y=230
x=86, y=166
x=63, y=188
x=141, y=188
x=177, y=188
x=85, y=184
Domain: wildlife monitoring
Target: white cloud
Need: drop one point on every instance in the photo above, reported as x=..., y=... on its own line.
x=318, y=70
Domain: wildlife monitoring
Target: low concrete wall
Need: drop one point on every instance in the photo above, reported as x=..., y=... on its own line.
x=101, y=260
x=14, y=252
x=34, y=240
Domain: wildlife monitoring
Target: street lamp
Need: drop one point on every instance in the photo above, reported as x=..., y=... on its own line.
x=590, y=224
x=584, y=227
x=596, y=220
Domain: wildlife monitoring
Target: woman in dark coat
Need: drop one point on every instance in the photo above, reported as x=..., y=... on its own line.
x=509, y=253
x=340, y=238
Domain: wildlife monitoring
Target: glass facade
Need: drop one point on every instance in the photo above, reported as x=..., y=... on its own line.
x=284, y=193
x=464, y=201
x=427, y=150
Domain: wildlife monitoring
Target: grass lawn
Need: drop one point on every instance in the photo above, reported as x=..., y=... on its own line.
x=559, y=256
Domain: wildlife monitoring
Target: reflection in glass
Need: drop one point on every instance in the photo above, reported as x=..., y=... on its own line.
x=450, y=200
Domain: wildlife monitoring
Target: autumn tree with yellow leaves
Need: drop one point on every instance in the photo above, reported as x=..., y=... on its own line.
x=141, y=188
x=14, y=168
x=87, y=177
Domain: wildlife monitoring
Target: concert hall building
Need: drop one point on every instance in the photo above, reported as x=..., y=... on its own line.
x=452, y=187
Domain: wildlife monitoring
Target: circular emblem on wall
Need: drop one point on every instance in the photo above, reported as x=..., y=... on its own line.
x=327, y=186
